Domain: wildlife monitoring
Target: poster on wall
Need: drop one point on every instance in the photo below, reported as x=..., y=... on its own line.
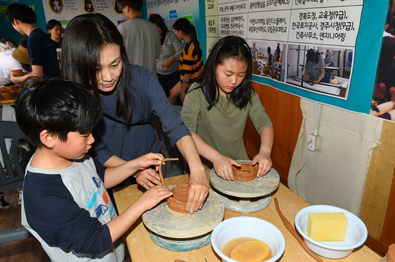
x=65, y=10
x=383, y=99
x=171, y=10
x=304, y=47
x=304, y=44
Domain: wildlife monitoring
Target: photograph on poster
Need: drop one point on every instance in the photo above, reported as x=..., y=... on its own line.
x=56, y=6
x=89, y=6
x=267, y=59
x=320, y=69
x=118, y=7
x=383, y=99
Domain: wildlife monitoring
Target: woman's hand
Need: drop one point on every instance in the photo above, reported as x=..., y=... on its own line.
x=223, y=167
x=148, y=178
x=198, y=190
x=264, y=161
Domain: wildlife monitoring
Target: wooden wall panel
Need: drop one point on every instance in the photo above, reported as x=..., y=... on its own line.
x=284, y=111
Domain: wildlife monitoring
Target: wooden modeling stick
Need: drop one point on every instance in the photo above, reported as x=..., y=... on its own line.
x=294, y=233
x=160, y=169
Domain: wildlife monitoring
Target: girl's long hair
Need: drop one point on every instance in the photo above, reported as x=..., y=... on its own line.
x=228, y=47
x=185, y=26
x=84, y=38
x=158, y=21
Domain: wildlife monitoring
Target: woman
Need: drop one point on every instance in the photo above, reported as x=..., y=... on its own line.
x=170, y=51
x=55, y=32
x=94, y=56
x=217, y=106
x=191, y=59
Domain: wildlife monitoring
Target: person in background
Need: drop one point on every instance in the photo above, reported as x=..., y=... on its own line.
x=191, y=60
x=314, y=67
x=130, y=95
x=54, y=28
x=21, y=54
x=142, y=41
x=217, y=105
x=42, y=50
x=254, y=50
x=269, y=68
x=89, y=7
x=170, y=51
x=7, y=62
x=278, y=52
x=76, y=220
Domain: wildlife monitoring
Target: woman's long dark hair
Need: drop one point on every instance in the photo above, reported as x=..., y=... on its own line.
x=84, y=38
x=228, y=47
x=158, y=21
x=185, y=26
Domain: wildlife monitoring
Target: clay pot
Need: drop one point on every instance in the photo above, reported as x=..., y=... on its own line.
x=8, y=95
x=246, y=172
x=178, y=201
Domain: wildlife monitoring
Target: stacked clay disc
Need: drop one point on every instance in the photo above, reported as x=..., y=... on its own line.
x=246, y=172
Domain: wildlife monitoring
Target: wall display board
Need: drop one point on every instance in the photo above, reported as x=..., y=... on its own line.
x=317, y=49
x=65, y=10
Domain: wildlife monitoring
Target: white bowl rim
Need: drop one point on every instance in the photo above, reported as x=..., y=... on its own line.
x=329, y=208
x=274, y=258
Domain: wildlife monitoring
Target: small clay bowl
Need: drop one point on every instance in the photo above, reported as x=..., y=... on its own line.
x=17, y=72
x=246, y=172
x=178, y=201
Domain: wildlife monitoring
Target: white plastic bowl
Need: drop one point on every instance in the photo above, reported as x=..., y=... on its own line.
x=247, y=227
x=355, y=236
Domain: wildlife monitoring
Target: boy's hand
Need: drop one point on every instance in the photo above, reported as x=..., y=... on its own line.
x=148, y=178
x=154, y=195
x=264, y=161
x=223, y=167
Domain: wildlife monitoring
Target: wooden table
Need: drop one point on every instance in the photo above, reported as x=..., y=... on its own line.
x=142, y=248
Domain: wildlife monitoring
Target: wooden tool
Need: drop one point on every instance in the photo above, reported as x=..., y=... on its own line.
x=292, y=230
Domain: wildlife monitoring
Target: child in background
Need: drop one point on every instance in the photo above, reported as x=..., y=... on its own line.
x=191, y=59
x=65, y=202
x=216, y=108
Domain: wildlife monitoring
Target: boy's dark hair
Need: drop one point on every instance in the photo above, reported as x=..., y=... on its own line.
x=135, y=5
x=228, y=47
x=57, y=105
x=21, y=12
x=52, y=23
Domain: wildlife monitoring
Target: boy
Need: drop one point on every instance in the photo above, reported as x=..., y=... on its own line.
x=65, y=204
x=41, y=48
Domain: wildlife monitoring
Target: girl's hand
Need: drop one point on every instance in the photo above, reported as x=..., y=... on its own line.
x=148, y=178
x=154, y=195
x=147, y=160
x=264, y=161
x=198, y=190
x=223, y=167
x=167, y=63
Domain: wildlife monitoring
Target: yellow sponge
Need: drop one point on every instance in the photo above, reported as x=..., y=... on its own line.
x=251, y=251
x=327, y=226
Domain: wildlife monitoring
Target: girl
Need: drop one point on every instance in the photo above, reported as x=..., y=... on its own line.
x=170, y=51
x=94, y=56
x=191, y=59
x=216, y=108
